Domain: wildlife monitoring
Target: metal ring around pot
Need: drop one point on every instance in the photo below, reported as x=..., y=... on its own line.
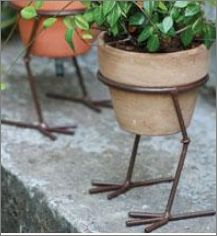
x=160, y=90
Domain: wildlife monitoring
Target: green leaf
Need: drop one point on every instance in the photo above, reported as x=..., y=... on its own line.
x=137, y=19
x=108, y=6
x=162, y=6
x=145, y=34
x=98, y=15
x=89, y=16
x=167, y=24
x=153, y=43
x=197, y=26
x=209, y=35
x=69, y=37
x=114, y=16
x=187, y=37
x=81, y=23
x=181, y=4
x=69, y=22
x=87, y=36
x=2, y=86
x=172, y=32
x=28, y=13
x=149, y=6
x=115, y=30
x=38, y=4
x=49, y=22
x=125, y=7
x=180, y=19
x=175, y=13
x=192, y=10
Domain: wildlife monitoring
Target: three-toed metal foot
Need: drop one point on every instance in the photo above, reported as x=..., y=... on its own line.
x=43, y=128
x=85, y=100
x=156, y=220
x=119, y=189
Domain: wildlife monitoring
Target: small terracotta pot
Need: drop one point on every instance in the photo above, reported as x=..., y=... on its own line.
x=152, y=114
x=51, y=42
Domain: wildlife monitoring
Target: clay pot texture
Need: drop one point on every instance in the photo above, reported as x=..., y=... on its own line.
x=152, y=114
x=51, y=5
x=51, y=42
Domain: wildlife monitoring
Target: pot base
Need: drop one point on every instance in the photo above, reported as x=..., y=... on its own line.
x=151, y=114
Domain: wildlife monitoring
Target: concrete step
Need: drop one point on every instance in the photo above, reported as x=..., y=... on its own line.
x=45, y=184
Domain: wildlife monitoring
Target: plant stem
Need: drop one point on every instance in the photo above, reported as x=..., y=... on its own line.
x=129, y=38
x=183, y=29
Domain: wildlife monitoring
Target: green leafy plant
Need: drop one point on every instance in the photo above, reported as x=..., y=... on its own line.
x=144, y=25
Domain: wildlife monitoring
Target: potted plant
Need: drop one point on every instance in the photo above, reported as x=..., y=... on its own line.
x=41, y=40
x=152, y=44
x=166, y=44
x=154, y=55
x=50, y=41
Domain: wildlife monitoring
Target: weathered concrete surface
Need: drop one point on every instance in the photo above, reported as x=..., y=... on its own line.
x=22, y=212
x=45, y=184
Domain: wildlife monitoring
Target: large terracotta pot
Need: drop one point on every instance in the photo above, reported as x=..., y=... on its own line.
x=51, y=42
x=152, y=114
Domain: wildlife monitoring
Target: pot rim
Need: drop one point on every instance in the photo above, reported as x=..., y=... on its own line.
x=157, y=54
x=50, y=12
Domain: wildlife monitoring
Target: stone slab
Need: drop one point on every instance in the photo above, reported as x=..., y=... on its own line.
x=45, y=184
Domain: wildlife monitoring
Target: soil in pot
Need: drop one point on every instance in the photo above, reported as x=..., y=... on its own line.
x=167, y=46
